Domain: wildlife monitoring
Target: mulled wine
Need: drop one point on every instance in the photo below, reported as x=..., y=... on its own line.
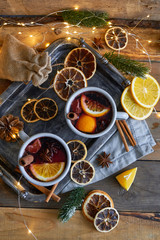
x=47, y=159
x=91, y=112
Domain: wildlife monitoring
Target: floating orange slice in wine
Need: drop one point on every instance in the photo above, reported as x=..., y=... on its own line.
x=92, y=107
x=47, y=171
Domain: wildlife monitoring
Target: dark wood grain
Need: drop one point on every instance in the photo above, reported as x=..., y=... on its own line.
x=143, y=195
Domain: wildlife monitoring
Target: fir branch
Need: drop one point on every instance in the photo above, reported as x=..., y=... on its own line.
x=85, y=18
x=127, y=65
x=72, y=203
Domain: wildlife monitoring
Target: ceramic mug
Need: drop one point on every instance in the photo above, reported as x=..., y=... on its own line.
x=115, y=114
x=27, y=140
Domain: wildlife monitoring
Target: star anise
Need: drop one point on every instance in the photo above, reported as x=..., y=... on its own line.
x=104, y=160
x=97, y=43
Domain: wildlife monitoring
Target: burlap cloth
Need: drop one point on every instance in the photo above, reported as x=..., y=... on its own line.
x=19, y=62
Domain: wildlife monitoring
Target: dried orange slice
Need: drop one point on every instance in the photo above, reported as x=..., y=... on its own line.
x=145, y=91
x=78, y=150
x=106, y=219
x=86, y=123
x=93, y=108
x=132, y=108
x=27, y=111
x=67, y=81
x=83, y=59
x=82, y=172
x=47, y=171
x=94, y=202
x=45, y=109
x=116, y=38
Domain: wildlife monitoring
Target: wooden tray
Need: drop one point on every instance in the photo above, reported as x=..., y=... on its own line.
x=106, y=77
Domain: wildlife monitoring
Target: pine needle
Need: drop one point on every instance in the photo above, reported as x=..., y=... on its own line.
x=73, y=201
x=127, y=65
x=85, y=18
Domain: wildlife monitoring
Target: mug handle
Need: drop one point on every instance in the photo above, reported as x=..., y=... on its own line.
x=122, y=116
x=23, y=136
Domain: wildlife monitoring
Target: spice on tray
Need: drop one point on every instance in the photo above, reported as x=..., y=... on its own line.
x=97, y=43
x=104, y=160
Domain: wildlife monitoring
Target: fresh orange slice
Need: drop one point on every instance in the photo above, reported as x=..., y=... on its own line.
x=116, y=38
x=86, y=123
x=78, y=150
x=67, y=81
x=47, y=171
x=92, y=107
x=132, y=108
x=145, y=91
x=83, y=59
x=94, y=202
x=82, y=172
x=126, y=178
x=27, y=111
x=45, y=109
x=106, y=219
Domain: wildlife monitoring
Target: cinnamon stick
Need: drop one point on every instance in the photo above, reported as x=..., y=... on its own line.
x=122, y=136
x=51, y=192
x=129, y=131
x=126, y=132
x=47, y=192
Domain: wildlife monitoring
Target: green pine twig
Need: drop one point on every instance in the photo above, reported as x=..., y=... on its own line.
x=127, y=65
x=85, y=18
x=73, y=201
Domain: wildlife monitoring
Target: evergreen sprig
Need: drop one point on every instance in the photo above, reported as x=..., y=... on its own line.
x=127, y=65
x=73, y=201
x=85, y=18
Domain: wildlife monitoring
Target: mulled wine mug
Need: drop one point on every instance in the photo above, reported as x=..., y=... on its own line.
x=115, y=114
x=27, y=140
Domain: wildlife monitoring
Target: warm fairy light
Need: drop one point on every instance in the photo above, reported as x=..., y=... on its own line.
x=110, y=26
x=94, y=28
x=67, y=32
x=29, y=231
x=158, y=114
x=65, y=23
x=22, y=24
x=28, y=99
x=143, y=51
x=68, y=38
x=18, y=23
x=19, y=33
x=75, y=32
x=129, y=33
x=32, y=22
x=148, y=16
x=18, y=183
x=137, y=40
x=31, y=35
x=149, y=41
x=5, y=23
x=109, y=23
x=47, y=44
x=52, y=29
x=93, y=31
x=67, y=26
x=13, y=136
x=76, y=7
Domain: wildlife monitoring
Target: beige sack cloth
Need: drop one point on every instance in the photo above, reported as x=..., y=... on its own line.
x=19, y=62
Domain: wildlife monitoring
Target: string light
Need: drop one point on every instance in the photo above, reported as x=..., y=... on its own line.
x=5, y=23
x=94, y=28
x=31, y=35
x=52, y=28
x=158, y=114
x=67, y=32
x=47, y=45
x=29, y=231
x=149, y=41
x=76, y=7
x=69, y=38
x=148, y=16
x=65, y=23
x=22, y=24
x=19, y=33
x=32, y=22
x=75, y=32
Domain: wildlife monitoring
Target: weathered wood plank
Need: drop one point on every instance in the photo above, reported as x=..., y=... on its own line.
x=143, y=195
x=116, y=9
x=45, y=225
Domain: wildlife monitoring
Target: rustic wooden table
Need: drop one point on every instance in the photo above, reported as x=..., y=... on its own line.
x=139, y=207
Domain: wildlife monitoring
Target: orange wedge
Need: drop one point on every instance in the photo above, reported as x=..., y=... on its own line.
x=47, y=171
x=86, y=123
x=126, y=178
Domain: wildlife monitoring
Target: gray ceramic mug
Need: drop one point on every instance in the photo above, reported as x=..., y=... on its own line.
x=27, y=140
x=115, y=114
